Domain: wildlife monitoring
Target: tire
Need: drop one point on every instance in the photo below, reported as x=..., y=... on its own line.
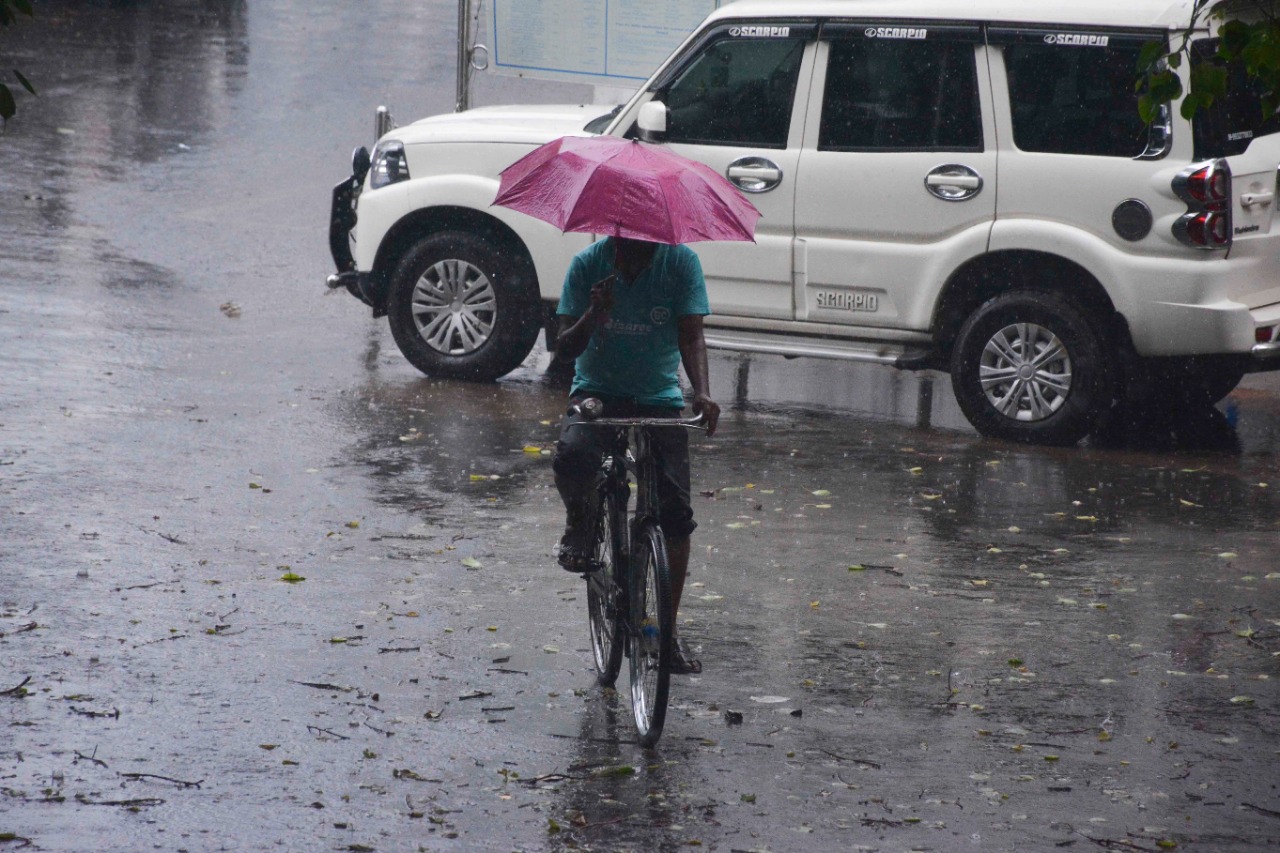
x=1028, y=367
x=603, y=591
x=653, y=633
x=461, y=307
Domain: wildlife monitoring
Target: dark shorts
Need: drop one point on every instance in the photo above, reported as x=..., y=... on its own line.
x=579, y=452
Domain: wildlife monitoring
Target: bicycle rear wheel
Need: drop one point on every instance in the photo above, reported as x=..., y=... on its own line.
x=652, y=633
x=603, y=590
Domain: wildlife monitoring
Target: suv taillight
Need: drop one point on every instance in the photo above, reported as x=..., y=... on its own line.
x=1206, y=189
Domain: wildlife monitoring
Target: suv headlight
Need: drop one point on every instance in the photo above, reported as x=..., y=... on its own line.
x=389, y=165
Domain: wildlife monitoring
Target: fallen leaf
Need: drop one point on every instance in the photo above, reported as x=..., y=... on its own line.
x=472, y=563
x=290, y=577
x=614, y=772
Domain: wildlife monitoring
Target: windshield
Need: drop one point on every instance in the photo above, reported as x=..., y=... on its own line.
x=1232, y=122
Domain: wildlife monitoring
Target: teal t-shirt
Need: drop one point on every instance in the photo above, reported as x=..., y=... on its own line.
x=636, y=354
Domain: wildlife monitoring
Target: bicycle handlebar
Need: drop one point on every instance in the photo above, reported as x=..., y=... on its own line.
x=591, y=409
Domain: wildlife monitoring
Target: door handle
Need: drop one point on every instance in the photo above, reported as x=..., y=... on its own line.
x=1251, y=199
x=953, y=182
x=754, y=174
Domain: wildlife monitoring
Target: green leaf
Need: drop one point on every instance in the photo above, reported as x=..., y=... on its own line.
x=614, y=772
x=1150, y=54
x=1164, y=87
x=7, y=106
x=1235, y=36
x=26, y=84
x=1189, y=106
x=1148, y=109
x=1209, y=82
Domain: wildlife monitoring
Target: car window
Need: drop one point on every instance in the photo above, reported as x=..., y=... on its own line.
x=736, y=91
x=1076, y=99
x=1227, y=126
x=900, y=95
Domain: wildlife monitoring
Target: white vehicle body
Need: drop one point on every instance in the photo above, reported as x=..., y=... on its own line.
x=896, y=225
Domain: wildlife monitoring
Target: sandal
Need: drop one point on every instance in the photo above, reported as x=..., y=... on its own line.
x=572, y=556
x=683, y=662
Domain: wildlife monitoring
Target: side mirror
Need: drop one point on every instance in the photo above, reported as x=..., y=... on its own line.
x=652, y=121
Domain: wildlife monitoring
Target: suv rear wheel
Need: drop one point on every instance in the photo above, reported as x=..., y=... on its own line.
x=460, y=307
x=1026, y=366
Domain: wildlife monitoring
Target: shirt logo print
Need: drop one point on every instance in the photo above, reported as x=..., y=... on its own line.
x=660, y=315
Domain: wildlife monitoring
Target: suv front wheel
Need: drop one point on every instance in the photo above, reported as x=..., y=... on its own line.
x=1027, y=366
x=460, y=307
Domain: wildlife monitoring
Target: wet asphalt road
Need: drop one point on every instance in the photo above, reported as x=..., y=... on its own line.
x=935, y=642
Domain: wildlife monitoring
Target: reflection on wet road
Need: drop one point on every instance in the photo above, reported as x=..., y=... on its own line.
x=264, y=586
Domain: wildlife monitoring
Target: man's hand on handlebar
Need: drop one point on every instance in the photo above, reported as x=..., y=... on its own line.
x=709, y=410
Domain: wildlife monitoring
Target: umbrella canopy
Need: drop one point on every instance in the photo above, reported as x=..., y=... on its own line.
x=623, y=188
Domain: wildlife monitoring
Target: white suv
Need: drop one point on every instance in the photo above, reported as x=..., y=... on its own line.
x=966, y=187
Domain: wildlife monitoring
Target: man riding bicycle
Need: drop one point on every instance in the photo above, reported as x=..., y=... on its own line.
x=631, y=313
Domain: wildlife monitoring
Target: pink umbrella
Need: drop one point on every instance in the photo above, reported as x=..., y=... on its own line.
x=623, y=188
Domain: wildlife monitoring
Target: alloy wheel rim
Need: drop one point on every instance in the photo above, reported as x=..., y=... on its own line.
x=1025, y=372
x=454, y=307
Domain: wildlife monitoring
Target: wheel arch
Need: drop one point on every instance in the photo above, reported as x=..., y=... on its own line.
x=1006, y=271
x=411, y=228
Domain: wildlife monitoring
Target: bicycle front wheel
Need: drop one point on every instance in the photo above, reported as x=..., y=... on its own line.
x=603, y=591
x=652, y=636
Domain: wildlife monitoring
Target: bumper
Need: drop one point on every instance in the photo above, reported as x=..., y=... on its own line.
x=1267, y=350
x=342, y=218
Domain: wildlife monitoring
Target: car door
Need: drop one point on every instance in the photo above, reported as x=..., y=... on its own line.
x=896, y=185
x=736, y=103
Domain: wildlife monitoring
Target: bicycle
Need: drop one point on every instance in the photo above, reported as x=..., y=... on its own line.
x=629, y=604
